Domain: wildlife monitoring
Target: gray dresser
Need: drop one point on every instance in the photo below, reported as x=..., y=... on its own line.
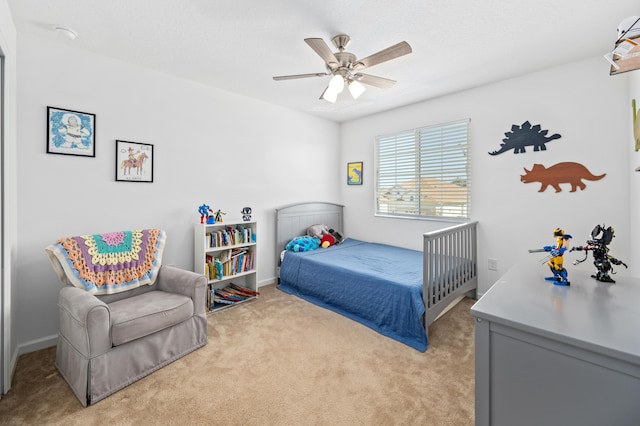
x=552, y=355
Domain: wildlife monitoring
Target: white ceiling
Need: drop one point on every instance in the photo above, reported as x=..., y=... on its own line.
x=240, y=45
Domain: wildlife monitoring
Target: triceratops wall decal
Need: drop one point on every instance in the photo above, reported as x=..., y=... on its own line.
x=571, y=173
x=526, y=135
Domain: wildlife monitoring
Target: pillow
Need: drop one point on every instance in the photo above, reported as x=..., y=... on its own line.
x=303, y=243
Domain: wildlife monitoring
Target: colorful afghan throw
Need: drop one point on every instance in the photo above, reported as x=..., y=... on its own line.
x=109, y=263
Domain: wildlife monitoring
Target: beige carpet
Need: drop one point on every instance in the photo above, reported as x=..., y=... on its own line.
x=275, y=361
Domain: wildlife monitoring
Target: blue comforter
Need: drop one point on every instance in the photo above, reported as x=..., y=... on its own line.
x=377, y=285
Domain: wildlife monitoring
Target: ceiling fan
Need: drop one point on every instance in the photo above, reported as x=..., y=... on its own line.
x=346, y=69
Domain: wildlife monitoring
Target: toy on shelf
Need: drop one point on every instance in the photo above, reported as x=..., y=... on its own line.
x=601, y=237
x=205, y=217
x=555, y=260
x=218, y=217
x=246, y=214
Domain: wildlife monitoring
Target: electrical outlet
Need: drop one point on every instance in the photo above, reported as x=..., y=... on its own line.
x=493, y=264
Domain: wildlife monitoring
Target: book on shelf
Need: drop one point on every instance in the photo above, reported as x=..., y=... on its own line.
x=229, y=295
x=244, y=290
x=230, y=262
x=225, y=256
x=223, y=301
x=230, y=236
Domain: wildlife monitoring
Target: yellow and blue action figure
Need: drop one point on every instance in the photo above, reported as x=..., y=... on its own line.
x=555, y=262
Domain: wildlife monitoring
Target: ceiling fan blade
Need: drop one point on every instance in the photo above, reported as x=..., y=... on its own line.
x=387, y=54
x=291, y=77
x=372, y=80
x=322, y=49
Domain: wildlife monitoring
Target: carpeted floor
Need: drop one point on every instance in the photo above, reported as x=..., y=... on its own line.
x=275, y=361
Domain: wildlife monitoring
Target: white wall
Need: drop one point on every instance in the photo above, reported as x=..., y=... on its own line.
x=8, y=345
x=201, y=134
x=634, y=177
x=580, y=101
x=210, y=146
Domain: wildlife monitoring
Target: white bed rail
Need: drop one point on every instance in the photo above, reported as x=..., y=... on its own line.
x=453, y=249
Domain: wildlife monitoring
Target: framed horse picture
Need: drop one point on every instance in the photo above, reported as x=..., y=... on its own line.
x=134, y=162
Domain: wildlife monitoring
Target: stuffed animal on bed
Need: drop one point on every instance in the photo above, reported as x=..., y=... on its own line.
x=303, y=243
x=317, y=230
x=327, y=240
x=327, y=236
x=336, y=235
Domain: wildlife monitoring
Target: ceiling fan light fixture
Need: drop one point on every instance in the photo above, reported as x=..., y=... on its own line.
x=356, y=89
x=344, y=67
x=337, y=83
x=329, y=95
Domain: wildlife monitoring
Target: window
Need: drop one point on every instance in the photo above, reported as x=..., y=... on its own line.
x=424, y=172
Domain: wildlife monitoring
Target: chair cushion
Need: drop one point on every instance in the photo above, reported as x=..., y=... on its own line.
x=147, y=313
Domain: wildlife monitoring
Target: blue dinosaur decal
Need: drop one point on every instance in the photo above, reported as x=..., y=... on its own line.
x=526, y=135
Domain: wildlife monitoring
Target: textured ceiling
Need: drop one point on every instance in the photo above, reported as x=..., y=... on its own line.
x=239, y=45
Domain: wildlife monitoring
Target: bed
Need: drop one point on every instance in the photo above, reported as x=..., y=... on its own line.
x=395, y=291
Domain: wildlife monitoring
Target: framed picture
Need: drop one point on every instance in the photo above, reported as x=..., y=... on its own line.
x=354, y=173
x=71, y=132
x=134, y=162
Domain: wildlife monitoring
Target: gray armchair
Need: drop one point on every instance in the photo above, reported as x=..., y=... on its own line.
x=123, y=314
x=108, y=342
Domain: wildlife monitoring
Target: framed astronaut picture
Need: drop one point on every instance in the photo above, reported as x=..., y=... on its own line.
x=71, y=132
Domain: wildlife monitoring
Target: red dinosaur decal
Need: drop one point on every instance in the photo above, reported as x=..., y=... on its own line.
x=568, y=172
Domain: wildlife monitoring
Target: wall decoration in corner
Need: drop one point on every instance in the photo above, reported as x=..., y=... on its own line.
x=354, y=173
x=71, y=132
x=522, y=136
x=134, y=162
x=571, y=173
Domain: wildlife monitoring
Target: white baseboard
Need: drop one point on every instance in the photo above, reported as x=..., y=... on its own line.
x=268, y=281
x=36, y=345
x=14, y=364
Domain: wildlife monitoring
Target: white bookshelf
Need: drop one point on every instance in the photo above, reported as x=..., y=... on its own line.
x=226, y=253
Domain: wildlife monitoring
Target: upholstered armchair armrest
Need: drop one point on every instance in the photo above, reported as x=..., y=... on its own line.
x=85, y=321
x=181, y=281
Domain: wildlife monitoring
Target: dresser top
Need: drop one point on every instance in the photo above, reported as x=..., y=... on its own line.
x=601, y=317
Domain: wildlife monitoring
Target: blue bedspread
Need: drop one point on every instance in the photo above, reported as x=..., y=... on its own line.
x=377, y=285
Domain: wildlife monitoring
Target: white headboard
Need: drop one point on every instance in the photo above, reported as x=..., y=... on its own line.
x=293, y=220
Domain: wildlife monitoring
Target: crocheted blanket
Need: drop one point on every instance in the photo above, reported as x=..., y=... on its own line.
x=109, y=263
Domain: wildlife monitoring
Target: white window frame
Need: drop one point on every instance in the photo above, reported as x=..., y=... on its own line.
x=424, y=173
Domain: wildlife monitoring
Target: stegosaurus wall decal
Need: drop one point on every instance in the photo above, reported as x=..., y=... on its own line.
x=526, y=135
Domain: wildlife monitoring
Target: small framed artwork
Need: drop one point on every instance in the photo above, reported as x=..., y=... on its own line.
x=354, y=173
x=71, y=132
x=134, y=162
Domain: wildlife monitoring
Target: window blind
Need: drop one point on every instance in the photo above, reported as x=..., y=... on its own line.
x=424, y=172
